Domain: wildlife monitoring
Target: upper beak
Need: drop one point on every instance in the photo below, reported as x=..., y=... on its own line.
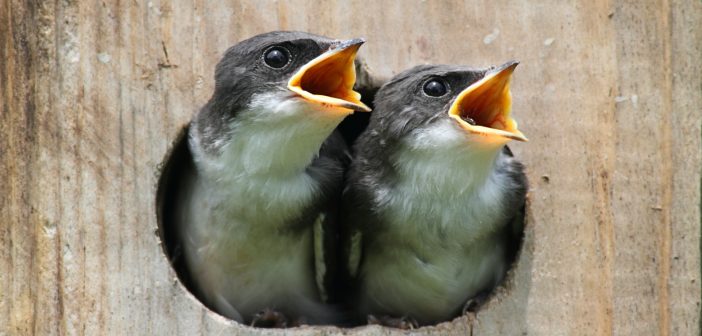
x=329, y=78
x=484, y=107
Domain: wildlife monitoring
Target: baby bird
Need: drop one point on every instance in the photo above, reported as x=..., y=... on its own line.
x=267, y=177
x=433, y=199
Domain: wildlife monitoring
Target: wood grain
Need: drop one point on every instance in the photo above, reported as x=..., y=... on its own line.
x=93, y=94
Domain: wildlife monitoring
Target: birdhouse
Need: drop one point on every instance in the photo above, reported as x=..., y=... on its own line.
x=95, y=98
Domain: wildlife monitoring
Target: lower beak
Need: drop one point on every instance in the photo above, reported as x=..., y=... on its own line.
x=484, y=107
x=329, y=78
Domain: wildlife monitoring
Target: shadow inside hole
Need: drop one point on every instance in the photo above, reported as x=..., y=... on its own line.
x=179, y=163
x=353, y=125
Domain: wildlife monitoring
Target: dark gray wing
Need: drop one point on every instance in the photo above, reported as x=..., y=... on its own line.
x=514, y=231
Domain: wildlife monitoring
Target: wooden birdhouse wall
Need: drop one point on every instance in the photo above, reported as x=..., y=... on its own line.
x=93, y=94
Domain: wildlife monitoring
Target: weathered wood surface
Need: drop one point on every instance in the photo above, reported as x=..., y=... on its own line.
x=92, y=94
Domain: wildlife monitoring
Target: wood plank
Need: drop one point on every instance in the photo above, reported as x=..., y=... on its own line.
x=92, y=95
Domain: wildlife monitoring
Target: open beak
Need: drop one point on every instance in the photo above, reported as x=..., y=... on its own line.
x=484, y=107
x=329, y=78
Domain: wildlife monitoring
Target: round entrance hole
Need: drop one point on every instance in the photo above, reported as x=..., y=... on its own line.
x=179, y=162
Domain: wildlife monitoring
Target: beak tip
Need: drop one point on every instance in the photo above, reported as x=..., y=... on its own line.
x=352, y=43
x=361, y=107
x=519, y=136
x=507, y=67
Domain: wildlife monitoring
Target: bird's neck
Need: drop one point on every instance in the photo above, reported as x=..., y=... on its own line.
x=439, y=159
x=443, y=181
x=273, y=137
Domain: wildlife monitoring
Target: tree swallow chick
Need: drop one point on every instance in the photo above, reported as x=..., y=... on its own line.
x=433, y=199
x=268, y=170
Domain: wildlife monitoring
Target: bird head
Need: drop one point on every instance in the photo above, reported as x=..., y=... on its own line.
x=475, y=102
x=296, y=65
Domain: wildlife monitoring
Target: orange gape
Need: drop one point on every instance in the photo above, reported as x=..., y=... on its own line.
x=329, y=79
x=487, y=105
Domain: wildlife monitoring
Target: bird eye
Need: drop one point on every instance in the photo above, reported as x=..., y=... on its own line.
x=276, y=57
x=435, y=88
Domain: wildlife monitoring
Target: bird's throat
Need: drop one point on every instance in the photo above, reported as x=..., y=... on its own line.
x=442, y=158
x=445, y=171
x=275, y=136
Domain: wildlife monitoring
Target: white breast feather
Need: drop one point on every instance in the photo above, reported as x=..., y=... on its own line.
x=444, y=180
x=246, y=195
x=447, y=197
